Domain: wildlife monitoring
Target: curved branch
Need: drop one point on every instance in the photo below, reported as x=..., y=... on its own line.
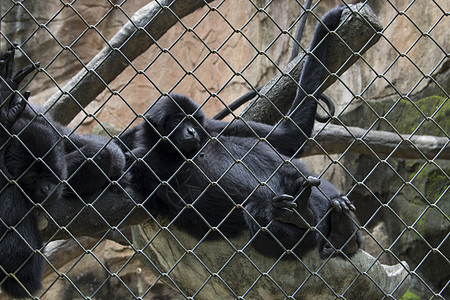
x=147, y=25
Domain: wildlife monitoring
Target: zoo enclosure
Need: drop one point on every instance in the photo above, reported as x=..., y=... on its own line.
x=409, y=201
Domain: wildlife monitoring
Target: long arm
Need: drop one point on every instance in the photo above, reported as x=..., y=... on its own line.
x=93, y=161
x=18, y=231
x=289, y=135
x=303, y=110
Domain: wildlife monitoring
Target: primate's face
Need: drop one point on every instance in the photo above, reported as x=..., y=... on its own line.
x=41, y=183
x=37, y=169
x=184, y=132
x=179, y=120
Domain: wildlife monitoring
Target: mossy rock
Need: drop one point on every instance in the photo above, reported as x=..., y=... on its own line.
x=409, y=295
x=427, y=187
x=416, y=192
x=428, y=116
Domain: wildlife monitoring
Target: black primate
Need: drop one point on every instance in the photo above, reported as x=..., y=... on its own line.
x=19, y=237
x=187, y=168
x=36, y=156
x=202, y=182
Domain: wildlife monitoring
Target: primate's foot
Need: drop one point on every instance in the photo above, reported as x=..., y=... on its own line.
x=284, y=209
x=295, y=211
x=342, y=203
x=342, y=228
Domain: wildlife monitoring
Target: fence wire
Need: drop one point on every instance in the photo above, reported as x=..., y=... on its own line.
x=82, y=211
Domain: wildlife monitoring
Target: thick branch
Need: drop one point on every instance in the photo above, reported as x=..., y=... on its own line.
x=356, y=34
x=115, y=208
x=333, y=139
x=227, y=269
x=147, y=25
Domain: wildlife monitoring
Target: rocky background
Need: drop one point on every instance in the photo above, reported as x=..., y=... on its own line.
x=400, y=85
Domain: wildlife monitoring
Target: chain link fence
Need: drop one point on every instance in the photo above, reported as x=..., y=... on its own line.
x=104, y=66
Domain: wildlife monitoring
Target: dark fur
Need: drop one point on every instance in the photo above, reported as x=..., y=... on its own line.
x=213, y=183
x=196, y=181
x=34, y=155
x=92, y=162
x=35, y=182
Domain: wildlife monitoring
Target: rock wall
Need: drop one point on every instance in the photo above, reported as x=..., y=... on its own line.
x=404, y=203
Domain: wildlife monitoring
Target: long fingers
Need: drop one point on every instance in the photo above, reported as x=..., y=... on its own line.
x=24, y=72
x=342, y=203
x=9, y=57
x=6, y=64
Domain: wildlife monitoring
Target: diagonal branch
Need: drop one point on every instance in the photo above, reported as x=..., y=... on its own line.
x=357, y=33
x=147, y=25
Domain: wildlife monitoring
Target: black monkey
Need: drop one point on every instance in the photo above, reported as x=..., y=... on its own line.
x=201, y=181
x=34, y=181
x=91, y=160
x=36, y=156
x=196, y=181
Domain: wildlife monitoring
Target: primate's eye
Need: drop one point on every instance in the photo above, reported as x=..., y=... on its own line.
x=177, y=119
x=196, y=125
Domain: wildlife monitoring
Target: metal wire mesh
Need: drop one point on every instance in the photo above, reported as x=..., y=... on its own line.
x=104, y=65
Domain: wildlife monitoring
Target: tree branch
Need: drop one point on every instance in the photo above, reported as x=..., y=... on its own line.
x=357, y=33
x=147, y=25
x=334, y=139
x=226, y=269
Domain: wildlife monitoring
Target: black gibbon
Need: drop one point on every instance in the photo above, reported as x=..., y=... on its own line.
x=206, y=173
x=37, y=156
